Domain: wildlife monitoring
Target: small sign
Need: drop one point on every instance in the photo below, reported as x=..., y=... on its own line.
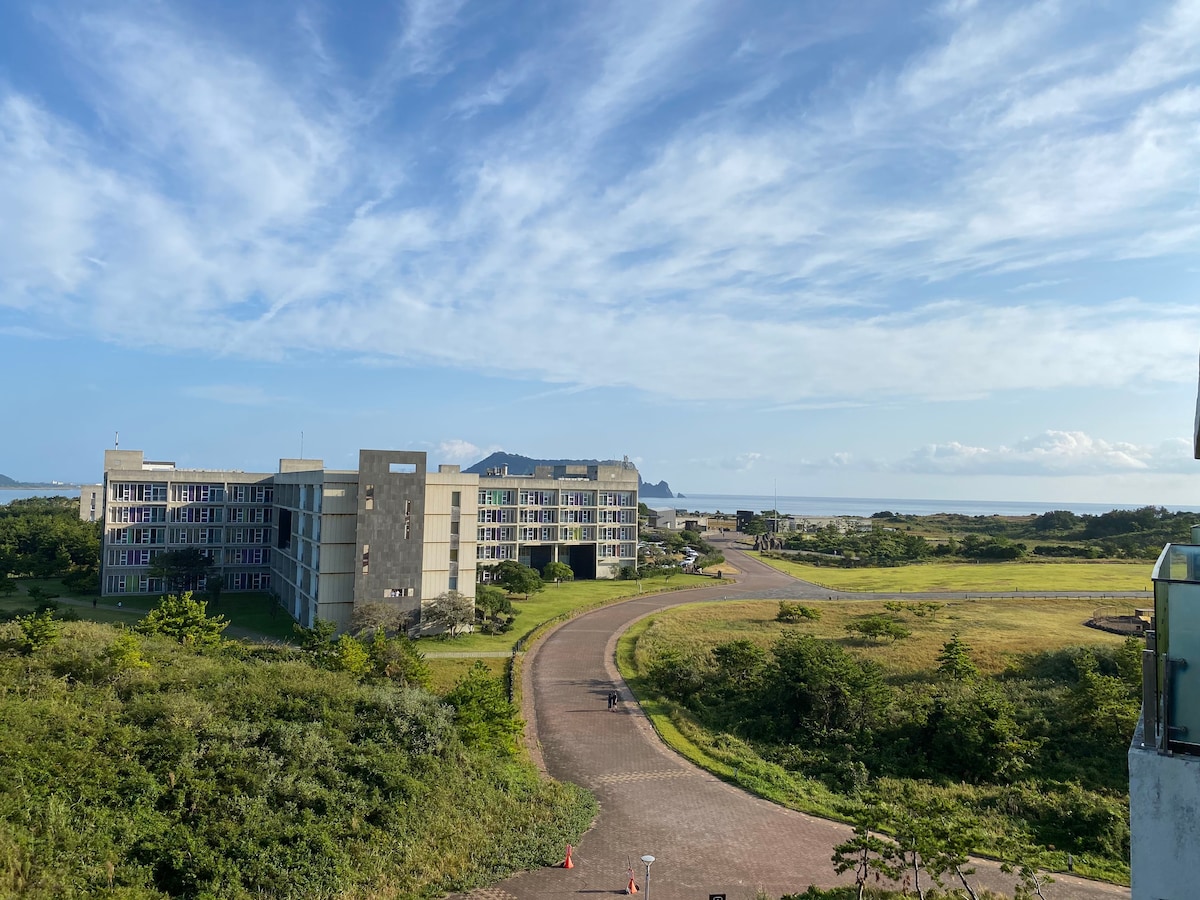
x=716, y=897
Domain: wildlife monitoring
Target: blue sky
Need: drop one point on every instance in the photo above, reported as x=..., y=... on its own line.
x=892, y=249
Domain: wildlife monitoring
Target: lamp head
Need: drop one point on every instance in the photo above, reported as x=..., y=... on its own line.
x=647, y=859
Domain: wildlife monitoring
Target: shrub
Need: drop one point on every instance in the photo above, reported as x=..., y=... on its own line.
x=792, y=613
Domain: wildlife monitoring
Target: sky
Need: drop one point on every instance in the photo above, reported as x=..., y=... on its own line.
x=873, y=249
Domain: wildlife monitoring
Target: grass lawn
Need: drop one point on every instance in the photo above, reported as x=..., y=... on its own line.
x=559, y=601
x=446, y=672
x=251, y=614
x=1087, y=575
x=997, y=629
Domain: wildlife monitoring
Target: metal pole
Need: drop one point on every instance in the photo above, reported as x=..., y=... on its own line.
x=647, y=859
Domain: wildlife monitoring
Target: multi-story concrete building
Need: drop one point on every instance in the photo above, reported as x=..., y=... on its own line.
x=325, y=540
x=149, y=507
x=585, y=516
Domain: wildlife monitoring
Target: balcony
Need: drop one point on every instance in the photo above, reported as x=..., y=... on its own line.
x=1171, y=661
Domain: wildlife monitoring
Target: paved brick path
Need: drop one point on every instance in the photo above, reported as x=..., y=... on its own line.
x=708, y=837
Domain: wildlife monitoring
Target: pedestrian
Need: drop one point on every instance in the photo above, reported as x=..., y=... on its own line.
x=610, y=700
x=616, y=698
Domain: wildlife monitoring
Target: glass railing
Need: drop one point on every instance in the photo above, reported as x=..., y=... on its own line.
x=1178, y=562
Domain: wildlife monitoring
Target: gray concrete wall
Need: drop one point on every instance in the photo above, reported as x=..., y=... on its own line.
x=1164, y=824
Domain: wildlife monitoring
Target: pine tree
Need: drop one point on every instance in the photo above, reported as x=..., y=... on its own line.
x=955, y=659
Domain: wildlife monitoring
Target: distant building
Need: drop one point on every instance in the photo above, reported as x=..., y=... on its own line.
x=91, y=502
x=326, y=540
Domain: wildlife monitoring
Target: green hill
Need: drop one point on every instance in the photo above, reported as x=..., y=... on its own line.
x=251, y=771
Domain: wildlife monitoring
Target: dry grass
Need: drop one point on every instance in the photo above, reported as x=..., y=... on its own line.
x=998, y=630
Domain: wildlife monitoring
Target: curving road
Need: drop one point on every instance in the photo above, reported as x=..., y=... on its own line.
x=707, y=836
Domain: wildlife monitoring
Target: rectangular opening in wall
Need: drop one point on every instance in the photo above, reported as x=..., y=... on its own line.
x=366, y=559
x=402, y=468
x=369, y=495
x=456, y=498
x=285, y=529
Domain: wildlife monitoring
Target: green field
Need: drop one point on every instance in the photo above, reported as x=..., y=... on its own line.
x=1000, y=577
x=561, y=601
x=998, y=630
x=251, y=615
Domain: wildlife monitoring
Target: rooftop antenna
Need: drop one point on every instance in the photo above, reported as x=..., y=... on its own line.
x=116, y=440
x=302, y=445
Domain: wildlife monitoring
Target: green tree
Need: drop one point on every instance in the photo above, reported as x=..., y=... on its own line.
x=955, y=659
x=517, y=578
x=347, y=654
x=315, y=638
x=558, y=572
x=483, y=713
x=971, y=733
x=125, y=652
x=39, y=594
x=449, y=613
x=369, y=618
x=213, y=587
x=740, y=663
x=7, y=586
x=868, y=855
x=397, y=659
x=184, y=618
x=816, y=688
x=876, y=627
x=492, y=607
x=38, y=631
x=181, y=570
x=792, y=613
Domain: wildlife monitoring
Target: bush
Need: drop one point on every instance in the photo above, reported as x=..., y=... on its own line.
x=792, y=613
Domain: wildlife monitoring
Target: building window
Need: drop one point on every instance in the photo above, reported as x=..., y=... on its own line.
x=456, y=498
x=369, y=496
x=454, y=582
x=366, y=559
x=408, y=528
x=454, y=555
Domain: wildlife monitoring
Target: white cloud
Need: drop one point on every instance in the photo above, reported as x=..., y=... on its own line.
x=239, y=213
x=460, y=451
x=1060, y=453
x=743, y=462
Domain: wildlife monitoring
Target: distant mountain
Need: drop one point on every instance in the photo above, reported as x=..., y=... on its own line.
x=5, y=480
x=524, y=465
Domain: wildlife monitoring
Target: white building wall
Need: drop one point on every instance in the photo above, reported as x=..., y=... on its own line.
x=1164, y=824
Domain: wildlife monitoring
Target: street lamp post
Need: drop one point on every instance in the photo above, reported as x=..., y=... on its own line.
x=647, y=859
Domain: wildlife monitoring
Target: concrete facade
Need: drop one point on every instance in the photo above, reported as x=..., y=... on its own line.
x=585, y=516
x=151, y=506
x=1164, y=822
x=325, y=541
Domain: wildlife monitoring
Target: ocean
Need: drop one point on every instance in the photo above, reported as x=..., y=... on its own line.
x=800, y=506
x=865, y=506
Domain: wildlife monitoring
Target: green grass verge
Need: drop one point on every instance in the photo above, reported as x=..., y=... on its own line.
x=560, y=602
x=252, y=615
x=1057, y=575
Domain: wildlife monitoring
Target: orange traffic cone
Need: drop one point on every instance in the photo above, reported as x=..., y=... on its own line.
x=567, y=864
x=633, y=888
